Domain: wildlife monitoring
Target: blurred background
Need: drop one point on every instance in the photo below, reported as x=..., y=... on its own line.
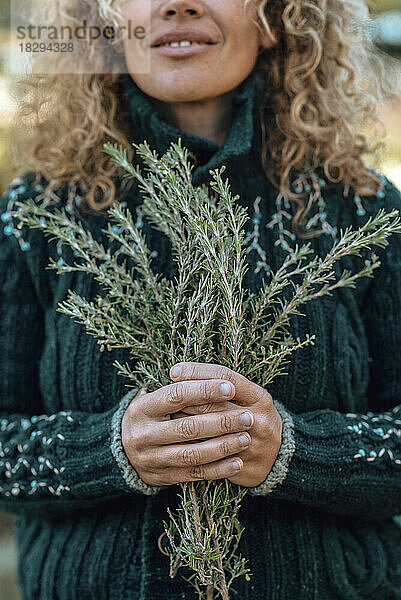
x=387, y=19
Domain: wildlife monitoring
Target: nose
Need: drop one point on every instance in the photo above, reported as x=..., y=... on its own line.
x=182, y=8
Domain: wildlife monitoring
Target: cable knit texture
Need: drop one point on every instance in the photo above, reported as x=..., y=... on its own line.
x=323, y=523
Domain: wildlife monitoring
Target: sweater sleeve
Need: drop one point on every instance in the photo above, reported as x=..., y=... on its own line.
x=348, y=463
x=49, y=463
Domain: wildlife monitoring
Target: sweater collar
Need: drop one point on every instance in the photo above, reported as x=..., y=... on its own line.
x=243, y=140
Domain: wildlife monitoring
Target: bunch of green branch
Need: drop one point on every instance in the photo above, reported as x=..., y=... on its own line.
x=202, y=314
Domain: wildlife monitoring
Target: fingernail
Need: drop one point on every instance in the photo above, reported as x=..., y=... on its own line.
x=244, y=439
x=247, y=418
x=175, y=371
x=226, y=389
x=237, y=464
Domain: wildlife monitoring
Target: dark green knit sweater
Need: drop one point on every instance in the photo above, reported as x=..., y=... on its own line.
x=320, y=527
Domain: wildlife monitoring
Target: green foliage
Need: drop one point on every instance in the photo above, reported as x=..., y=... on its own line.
x=204, y=314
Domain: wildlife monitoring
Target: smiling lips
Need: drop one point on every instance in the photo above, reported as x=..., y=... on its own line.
x=183, y=43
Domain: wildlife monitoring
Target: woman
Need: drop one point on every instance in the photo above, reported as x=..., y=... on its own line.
x=90, y=469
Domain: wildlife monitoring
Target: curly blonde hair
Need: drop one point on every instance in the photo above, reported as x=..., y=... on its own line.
x=324, y=80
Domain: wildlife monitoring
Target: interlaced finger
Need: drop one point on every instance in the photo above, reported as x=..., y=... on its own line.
x=195, y=427
x=200, y=453
x=176, y=396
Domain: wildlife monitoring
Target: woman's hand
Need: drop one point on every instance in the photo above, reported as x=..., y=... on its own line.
x=266, y=433
x=161, y=430
x=165, y=451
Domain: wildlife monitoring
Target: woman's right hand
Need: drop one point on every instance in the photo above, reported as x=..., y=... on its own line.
x=163, y=450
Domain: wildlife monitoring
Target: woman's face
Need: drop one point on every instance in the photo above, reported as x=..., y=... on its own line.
x=224, y=43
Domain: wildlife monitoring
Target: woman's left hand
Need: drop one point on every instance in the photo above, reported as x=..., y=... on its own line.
x=266, y=432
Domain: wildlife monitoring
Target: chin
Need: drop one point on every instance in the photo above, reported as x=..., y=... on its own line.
x=176, y=88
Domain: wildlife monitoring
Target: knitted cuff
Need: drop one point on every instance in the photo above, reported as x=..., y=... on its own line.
x=280, y=468
x=130, y=476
